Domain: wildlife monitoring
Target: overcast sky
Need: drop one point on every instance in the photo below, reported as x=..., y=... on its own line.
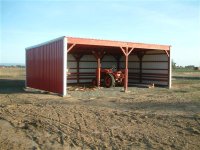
x=172, y=22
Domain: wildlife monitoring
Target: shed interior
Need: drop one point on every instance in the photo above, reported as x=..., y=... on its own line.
x=144, y=65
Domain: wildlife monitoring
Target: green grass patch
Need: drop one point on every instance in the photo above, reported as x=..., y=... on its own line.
x=185, y=70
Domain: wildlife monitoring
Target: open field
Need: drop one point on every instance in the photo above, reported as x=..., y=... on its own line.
x=156, y=118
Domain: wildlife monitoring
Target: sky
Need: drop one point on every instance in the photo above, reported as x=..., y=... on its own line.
x=171, y=22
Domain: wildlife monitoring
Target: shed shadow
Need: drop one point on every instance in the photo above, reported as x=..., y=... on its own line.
x=13, y=86
x=8, y=86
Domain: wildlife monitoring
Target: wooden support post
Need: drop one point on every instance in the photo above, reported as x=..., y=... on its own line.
x=78, y=71
x=98, y=55
x=140, y=70
x=140, y=56
x=78, y=58
x=169, y=70
x=126, y=74
x=98, y=72
x=169, y=67
x=126, y=53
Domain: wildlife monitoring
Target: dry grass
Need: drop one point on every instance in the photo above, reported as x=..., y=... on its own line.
x=12, y=73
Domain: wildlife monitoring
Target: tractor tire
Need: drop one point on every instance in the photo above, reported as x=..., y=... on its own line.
x=109, y=80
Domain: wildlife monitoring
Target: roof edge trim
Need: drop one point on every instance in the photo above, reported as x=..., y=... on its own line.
x=96, y=42
x=127, y=42
x=44, y=43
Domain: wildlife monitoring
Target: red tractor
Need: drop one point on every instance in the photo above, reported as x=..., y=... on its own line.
x=110, y=78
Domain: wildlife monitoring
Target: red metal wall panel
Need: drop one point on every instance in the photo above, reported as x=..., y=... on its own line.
x=44, y=66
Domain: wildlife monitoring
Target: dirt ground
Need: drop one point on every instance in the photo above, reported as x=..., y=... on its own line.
x=89, y=118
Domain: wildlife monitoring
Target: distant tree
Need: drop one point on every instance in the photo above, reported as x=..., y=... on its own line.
x=190, y=67
x=173, y=64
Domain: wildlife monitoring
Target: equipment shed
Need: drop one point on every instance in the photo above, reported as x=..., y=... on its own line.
x=52, y=65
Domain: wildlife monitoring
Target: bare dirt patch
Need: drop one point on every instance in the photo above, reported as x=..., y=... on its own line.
x=104, y=118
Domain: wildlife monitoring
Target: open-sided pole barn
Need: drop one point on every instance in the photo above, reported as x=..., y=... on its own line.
x=52, y=65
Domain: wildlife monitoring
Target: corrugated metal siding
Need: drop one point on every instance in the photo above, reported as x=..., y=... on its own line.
x=108, y=62
x=133, y=68
x=155, y=68
x=88, y=65
x=87, y=69
x=44, y=66
x=133, y=65
x=72, y=69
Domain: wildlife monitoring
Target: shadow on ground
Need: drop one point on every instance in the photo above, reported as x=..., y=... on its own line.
x=8, y=86
x=17, y=86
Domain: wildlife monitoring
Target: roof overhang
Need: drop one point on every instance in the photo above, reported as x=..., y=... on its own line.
x=86, y=46
x=109, y=43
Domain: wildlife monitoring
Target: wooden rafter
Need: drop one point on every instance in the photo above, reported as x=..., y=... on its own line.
x=140, y=54
x=167, y=53
x=130, y=50
x=123, y=51
x=99, y=54
x=126, y=51
x=78, y=56
x=70, y=48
